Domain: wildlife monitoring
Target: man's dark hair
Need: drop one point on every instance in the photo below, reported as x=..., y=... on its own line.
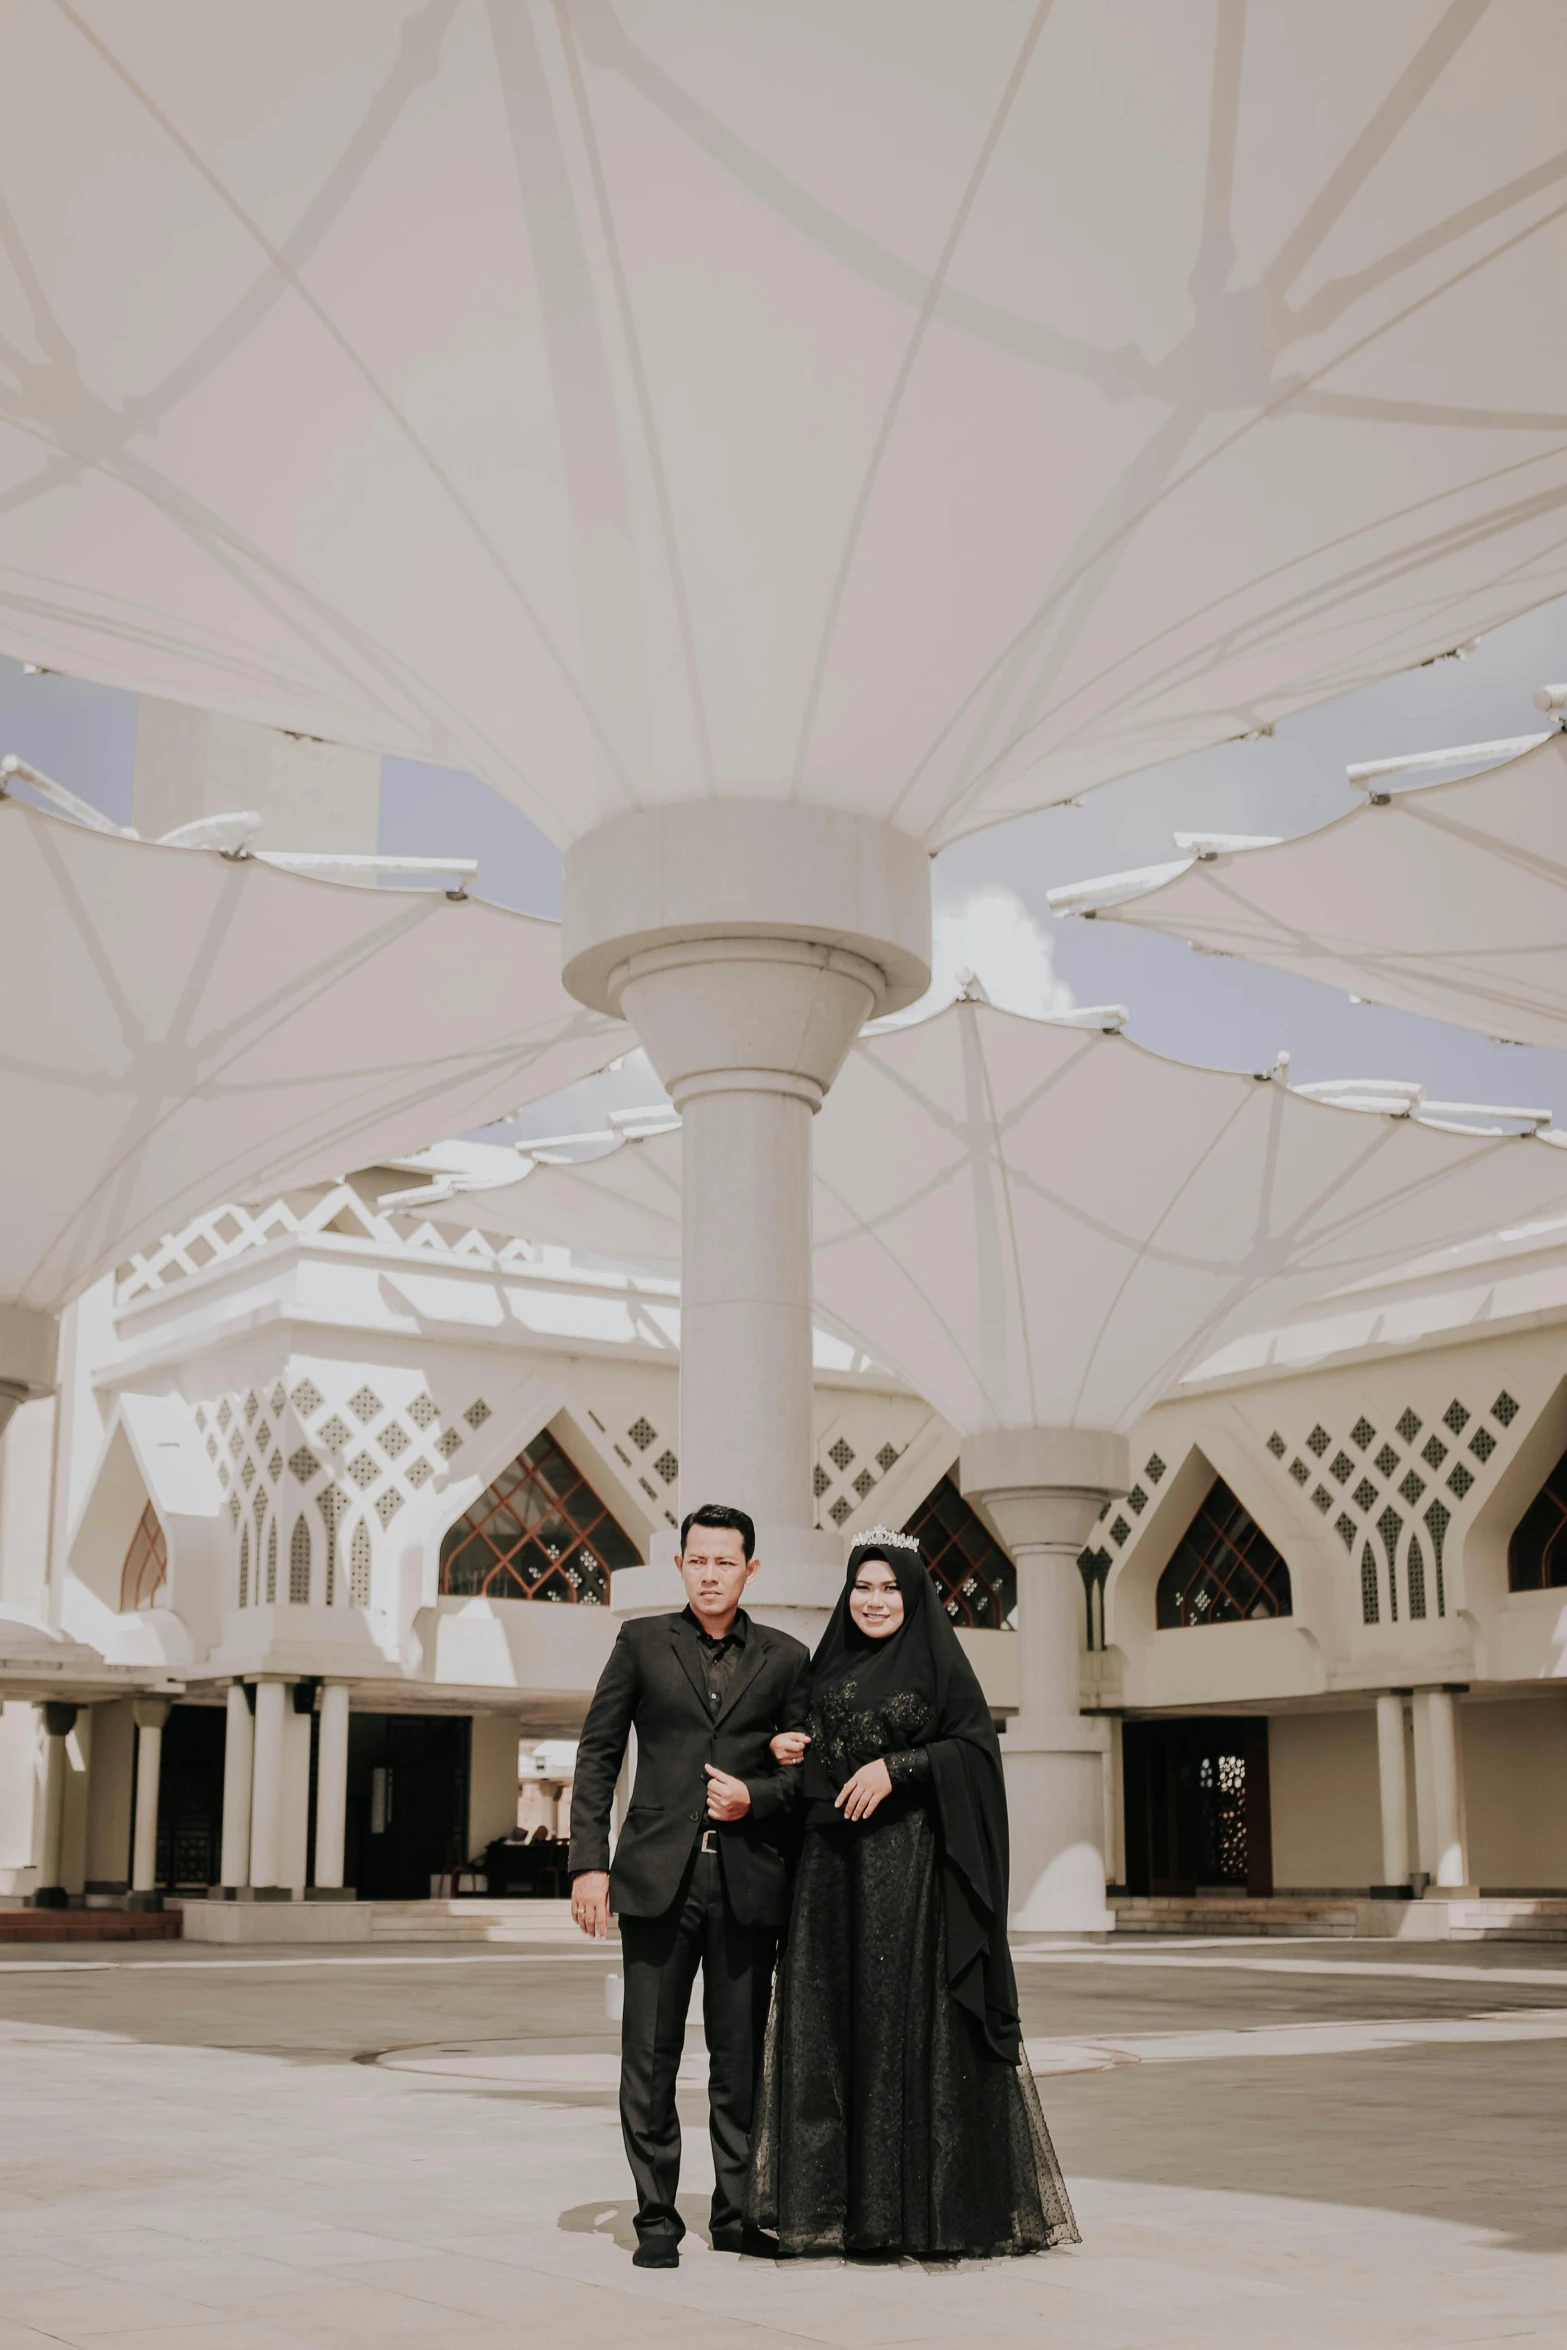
x=718, y=1513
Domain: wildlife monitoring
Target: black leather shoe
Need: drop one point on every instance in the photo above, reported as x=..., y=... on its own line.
x=753, y=2243
x=656, y=2255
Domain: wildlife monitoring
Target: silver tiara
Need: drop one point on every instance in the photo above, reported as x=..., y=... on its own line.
x=869, y=1536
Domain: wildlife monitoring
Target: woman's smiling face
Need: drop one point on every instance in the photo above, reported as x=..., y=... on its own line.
x=875, y=1602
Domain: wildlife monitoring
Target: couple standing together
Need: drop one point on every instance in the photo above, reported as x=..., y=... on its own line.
x=849, y=1805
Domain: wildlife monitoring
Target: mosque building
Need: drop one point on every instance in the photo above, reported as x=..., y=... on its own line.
x=334, y=1508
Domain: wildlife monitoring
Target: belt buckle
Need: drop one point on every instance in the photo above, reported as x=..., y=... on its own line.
x=709, y=1840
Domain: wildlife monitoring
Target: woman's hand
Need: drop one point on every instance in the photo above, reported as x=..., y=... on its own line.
x=858, y=1797
x=789, y=1746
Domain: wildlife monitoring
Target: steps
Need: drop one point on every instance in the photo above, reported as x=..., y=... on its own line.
x=381, y=1922
x=1471, y=1918
x=1235, y=1913
x=89, y=1925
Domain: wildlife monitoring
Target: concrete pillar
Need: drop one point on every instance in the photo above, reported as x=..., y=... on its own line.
x=331, y=1787
x=1393, y=1780
x=29, y=1357
x=238, y=1754
x=1448, y=1842
x=58, y=1722
x=266, y=1800
x=747, y=942
x=1043, y=1489
x=151, y=1713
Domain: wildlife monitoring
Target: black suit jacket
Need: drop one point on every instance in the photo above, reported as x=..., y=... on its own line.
x=656, y=1684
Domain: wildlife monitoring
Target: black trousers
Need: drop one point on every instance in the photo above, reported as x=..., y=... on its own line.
x=661, y=1956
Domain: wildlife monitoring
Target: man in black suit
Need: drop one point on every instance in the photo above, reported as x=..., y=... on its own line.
x=699, y=1874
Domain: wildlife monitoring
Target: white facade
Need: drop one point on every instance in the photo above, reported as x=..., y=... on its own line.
x=307, y=1397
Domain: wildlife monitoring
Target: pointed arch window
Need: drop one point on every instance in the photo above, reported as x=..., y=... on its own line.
x=359, y=1567
x=976, y=1579
x=1225, y=1570
x=299, y=1564
x=146, y=1568
x=539, y=1532
x=1537, y=1548
x=244, y=1566
x=272, y=1564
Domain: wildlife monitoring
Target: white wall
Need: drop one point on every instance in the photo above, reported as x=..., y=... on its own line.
x=1327, y=1821
x=1515, y=1787
x=492, y=1779
x=19, y=1795
x=26, y=1451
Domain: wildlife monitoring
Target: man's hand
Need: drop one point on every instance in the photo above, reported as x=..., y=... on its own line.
x=727, y=1799
x=590, y=1903
x=858, y=1797
x=789, y=1746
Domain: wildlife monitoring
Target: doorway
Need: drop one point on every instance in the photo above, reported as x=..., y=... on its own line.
x=407, y=1802
x=190, y=1799
x=1197, y=1810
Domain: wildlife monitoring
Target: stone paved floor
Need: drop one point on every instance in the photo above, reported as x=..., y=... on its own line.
x=1330, y=2144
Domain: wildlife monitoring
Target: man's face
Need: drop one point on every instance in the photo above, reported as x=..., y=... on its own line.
x=715, y=1570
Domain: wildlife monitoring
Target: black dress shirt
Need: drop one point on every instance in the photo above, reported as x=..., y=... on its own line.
x=720, y=1657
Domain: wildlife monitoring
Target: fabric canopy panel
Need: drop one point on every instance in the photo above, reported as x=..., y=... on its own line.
x=1038, y=1225
x=1449, y=899
x=185, y=1030
x=928, y=412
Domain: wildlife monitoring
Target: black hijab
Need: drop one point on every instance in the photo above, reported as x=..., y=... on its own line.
x=924, y=1657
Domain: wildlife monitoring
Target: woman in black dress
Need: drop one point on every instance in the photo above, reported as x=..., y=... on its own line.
x=897, y=2113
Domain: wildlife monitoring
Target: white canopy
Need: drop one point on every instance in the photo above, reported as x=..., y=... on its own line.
x=1036, y=1224
x=1444, y=898
x=928, y=411
x=184, y=1029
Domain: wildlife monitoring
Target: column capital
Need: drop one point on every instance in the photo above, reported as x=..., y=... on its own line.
x=59, y=1717
x=1044, y=1487
x=149, y=1713
x=731, y=870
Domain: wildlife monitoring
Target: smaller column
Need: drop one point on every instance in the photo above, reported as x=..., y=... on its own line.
x=1043, y=1488
x=1393, y=1779
x=1449, y=1844
x=331, y=1787
x=150, y=1714
x=59, y=1721
x=266, y=1802
x=238, y=1753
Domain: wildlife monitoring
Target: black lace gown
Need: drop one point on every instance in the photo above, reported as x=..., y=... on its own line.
x=884, y=2124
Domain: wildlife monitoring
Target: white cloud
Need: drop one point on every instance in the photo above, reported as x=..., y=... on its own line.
x=988, y=931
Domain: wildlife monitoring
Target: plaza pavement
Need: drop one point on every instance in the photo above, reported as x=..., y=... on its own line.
x=1316, y=2144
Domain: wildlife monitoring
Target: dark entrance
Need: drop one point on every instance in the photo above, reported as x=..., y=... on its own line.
x=407, y=1802
x=190, y=1799
x=1197, y=1813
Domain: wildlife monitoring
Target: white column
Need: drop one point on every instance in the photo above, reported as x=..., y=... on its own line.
x=1393, y=1779
x=266, y=1804
x=1043, y=1489
x=238, y=1752
x=1450, y=1858
x=747, y=942
x=58, y=1722
x=150, y=1715
x=331, y=1786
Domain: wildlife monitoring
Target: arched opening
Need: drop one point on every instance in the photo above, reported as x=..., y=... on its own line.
x=1224, y=1569
x=539, y=1532
x=1537, y=1546
x=146, y=1568
x=359, y=1567
x=976, y=1579
x=299, y=1565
